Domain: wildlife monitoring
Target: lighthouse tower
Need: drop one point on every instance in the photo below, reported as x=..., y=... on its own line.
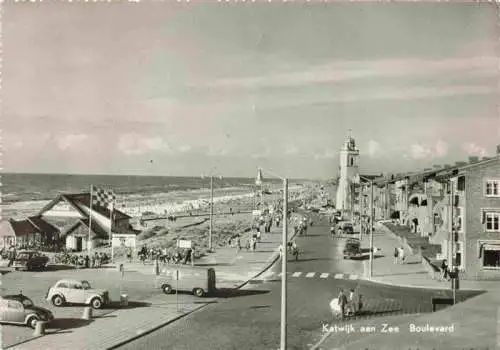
x=348, y=170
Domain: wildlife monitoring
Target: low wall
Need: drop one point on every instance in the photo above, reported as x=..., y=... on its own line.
x=433, y=271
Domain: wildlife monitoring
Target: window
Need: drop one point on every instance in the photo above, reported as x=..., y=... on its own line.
x=491, y=258
x=492, y=221
x=459, y=253
x=493, y=188
x=14, y=305
x=458, y=219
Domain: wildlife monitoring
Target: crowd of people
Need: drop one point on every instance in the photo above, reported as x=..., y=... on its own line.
x=163, y=255
x=88, y=261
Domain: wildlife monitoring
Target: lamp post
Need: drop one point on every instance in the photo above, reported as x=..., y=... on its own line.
x=357, y=179
x=283, y=328
x=210, y=229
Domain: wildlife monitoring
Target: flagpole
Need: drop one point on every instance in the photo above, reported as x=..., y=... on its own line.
x=111, y=228
x=90, y=222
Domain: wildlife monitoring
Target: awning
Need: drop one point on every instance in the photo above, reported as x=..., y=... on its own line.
x=491, y=246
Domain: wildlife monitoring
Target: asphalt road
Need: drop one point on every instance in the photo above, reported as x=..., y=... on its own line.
x=251, y=318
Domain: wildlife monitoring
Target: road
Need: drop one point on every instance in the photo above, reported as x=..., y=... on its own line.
x=252, y=320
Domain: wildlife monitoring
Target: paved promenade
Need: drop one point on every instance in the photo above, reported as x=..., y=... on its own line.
x=233, y=270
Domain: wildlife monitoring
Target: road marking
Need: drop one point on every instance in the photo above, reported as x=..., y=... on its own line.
x=324, y=275
x=296, y=274
x=339, y=275
x=353, y=277
x=310, y=274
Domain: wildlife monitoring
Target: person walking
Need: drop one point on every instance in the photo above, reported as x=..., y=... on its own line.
x=402, y=255
x=396, y=255
x=444, y=268
x=342, y=303
x=238, y=243
x=351, y=310
x=259, y=235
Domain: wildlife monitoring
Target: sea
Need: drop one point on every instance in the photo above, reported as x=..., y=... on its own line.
x=22, y=193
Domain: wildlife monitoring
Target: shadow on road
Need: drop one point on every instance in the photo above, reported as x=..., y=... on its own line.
x=314, y=259
x=367, y=257
x=233, y=293
x=65, y=324
x=214, y=264
x=131, y=305
x=59, y=267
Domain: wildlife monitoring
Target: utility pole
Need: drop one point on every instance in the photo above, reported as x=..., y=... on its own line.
x=371, y=229
x=211, y=212
x=283, y=266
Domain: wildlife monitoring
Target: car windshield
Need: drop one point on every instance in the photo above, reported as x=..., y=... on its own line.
x=26, y=302
x=86, y=285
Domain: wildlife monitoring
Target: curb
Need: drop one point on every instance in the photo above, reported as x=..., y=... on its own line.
x=270, y=262
x=385, y=283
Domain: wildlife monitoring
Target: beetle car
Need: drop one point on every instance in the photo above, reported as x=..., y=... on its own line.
x=19, y=309
x=77, y=292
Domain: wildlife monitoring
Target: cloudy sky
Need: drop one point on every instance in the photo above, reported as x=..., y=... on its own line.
x=176, y=88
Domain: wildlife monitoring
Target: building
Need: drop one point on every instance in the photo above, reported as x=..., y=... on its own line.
x=31, y=232
x=348, y=169
x=71, y=214
x=456, y=207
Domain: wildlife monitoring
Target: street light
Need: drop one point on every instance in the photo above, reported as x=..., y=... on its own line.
x=283, y=255
x=211, y=208
x=357, y=180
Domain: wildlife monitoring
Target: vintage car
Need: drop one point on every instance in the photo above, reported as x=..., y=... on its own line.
x=19, y=309
x=346, y=227
x=77, y=292
x=30, y=260
x=352, y=249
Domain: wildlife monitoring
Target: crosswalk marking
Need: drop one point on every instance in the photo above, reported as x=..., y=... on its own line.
x=297, y=274
x=324, y=275
x=310, y=274
x=339, y=275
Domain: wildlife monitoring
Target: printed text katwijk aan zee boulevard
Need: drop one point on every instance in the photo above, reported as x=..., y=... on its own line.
x=387, y=328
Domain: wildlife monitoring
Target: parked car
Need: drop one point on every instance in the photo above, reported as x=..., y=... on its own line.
x=30, y=260
x=352, y=249
x=77, y=292
x=347, y=227
x=19, y=309
x=198, y=280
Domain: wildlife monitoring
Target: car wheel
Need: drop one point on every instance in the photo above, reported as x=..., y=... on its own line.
x=32, y=321
x=198, y=292
x=57, y=300
x=96, y=303
x=167, y=289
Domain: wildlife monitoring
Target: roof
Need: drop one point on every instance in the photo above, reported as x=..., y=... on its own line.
x=84, y=198
x=42, y=225
x=6, y=229
x=23, y=228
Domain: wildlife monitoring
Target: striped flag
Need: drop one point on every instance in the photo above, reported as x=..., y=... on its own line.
x=104, y=198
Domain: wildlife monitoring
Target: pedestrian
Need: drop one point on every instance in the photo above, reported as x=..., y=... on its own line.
x=351, y=310
x=396, y=255
x=281, y=251
x=87, y=261
x=402, y=255
x=360, y=302
x=342, y=303
x=188, y=256
x=444, y=268
x=92, y=260
x=238, y=243
x=258, y=236
x=254, y=244
x=97, y=260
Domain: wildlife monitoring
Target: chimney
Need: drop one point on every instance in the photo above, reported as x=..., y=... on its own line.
x=473, y=159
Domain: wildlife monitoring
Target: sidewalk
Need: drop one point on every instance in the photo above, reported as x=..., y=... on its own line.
x=412, y=273
x=233, y=270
